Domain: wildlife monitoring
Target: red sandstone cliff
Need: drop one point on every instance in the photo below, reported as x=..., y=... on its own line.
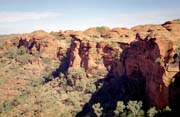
x=143, y=51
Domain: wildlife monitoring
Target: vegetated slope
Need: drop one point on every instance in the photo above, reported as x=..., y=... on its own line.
x=67, y=72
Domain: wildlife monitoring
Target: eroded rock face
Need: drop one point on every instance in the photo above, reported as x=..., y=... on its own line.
x=119, y=33
x=173, y=27
x=140, y=61
x=84, y=54
x=144, y=30
x=145, y=51
x=96, y=57
x=39, y=42
x=150, y=57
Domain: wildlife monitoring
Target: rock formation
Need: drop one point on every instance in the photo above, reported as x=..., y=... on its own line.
x=145, y=51
x=39, y=42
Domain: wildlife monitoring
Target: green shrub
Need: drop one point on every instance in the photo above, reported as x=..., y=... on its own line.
x=47, y=60
x=12, y=53
x=36, y=54
x=119, y=108
x=20, y=54
x=92, y=88
x=62, y=81
x=61, y=75
x=115, y=45
x=5, y=106
x=134, y=108
x=99, y=86
x=37, y=82
x=77, y=78
x=152, y=112
x=97, y=109
x=22, y=50
x=99, y=72
x=8, y=105
x=76, y=73
x=100, y=29
x=24, y=59
x=167, y=109
x=74, y=98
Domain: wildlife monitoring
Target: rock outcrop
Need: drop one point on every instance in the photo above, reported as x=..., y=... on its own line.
x=39, y=42
x=84, y=54
x=145, y=51
x=139, y=61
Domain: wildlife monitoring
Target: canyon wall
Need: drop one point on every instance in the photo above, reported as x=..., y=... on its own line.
x=145, y=51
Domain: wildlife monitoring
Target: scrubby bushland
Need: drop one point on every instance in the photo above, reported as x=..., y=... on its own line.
x=132, y=109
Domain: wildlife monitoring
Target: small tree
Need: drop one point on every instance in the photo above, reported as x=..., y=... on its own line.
x=97, y=109
x=101, y=29
x=167, y=109
x=92, y=88
x=119, y=108
x=77, y=78
x=152, y=112
x=47, y=60
x=135, y=108
x=24, y=59
x=12, y=53
x=76, y=73
x=22, y=50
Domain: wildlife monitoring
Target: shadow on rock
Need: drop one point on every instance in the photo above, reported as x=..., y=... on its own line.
x=113, y=90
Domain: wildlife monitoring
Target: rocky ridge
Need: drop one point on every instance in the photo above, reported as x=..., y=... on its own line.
x=145, y=51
